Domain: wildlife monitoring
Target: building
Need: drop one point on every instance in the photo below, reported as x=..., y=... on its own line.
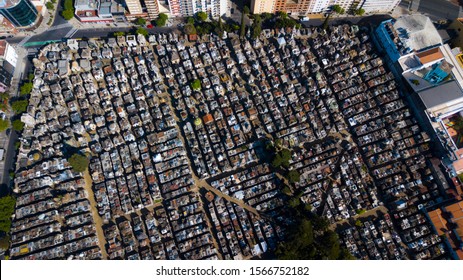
x=262, y=6
x=6, y=28
x=379, y=6
x=98, y=11
x=40, y=6
x=407, y=34
x=448, y=221
x=8, y=53
x=134, y=7
x=21, y=13
x=5, y=79
x=152, y=8
x=456, y=31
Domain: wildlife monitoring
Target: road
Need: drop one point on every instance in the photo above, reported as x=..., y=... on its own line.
x=435, y=9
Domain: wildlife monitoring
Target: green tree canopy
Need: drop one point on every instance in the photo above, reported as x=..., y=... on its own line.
x=306, y=241
x=119, y=33
x=78, y=162
x=68, y=14
x=201, y=16
x=26, y=88
x=161, y=20
x=189, y=29
x=282, y=158
x=142, y=31
x=196, y=85
x=49, y=5
x=360, y=12
x=4, y=124
x=190, y=20
x=19, y=106
x=68, y=5
x=140, y=21
x=246, y=10
x=338, y=9
x=6, y=210
x=293, y=176
x=17, y=125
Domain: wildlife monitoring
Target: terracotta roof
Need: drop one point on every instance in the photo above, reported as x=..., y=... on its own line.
x=2, y=47
x=208, y=119
x=430, y=55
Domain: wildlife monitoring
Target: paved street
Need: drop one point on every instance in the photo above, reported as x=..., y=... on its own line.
x=435, y=9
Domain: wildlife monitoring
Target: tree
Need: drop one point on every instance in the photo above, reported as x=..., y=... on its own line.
x=294, y=202
x=161, y=20
x=68, y=5
x=140, y=21
x=19, y=106
x=118, y=33
x=282, y=158
x=256, y=26
x=78, y=162
x=6, y=210
x=4, y=97
x=142, y=31
x=360, y=12
x=337, y=8
x=282, y=15
x=190, y=20
x=196, y=85
x=4, y=124
x=201, y=16
x=189, y=29
x=243, y=27
x=326, y=23
x=49, y=5
x=17, y=125
x=67, y=14
x=26, y=88
x=246, y=10
x=293, y=176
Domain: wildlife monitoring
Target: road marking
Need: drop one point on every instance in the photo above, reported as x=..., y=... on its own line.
x=63, y=25
x=23, y=41
x=70, y=33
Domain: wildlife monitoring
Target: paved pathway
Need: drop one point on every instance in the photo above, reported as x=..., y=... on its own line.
x=96, y=217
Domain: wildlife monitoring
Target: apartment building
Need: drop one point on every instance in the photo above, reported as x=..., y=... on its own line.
x=262, y=6
x=302, y=7
x=134, y=7
x=152, y=8
x=379, y=6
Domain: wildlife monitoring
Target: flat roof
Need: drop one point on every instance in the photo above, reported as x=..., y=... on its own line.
x=417, y=32
x=441, y=94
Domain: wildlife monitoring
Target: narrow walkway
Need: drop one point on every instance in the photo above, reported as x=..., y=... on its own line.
x=96, y=217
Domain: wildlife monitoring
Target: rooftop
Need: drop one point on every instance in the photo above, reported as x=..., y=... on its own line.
x=417, y=32
x=442, y=95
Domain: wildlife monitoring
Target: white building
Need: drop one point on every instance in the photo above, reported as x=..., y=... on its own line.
x=379, y=6
x=320, y=6
x=7, y=53
x=134, y=7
